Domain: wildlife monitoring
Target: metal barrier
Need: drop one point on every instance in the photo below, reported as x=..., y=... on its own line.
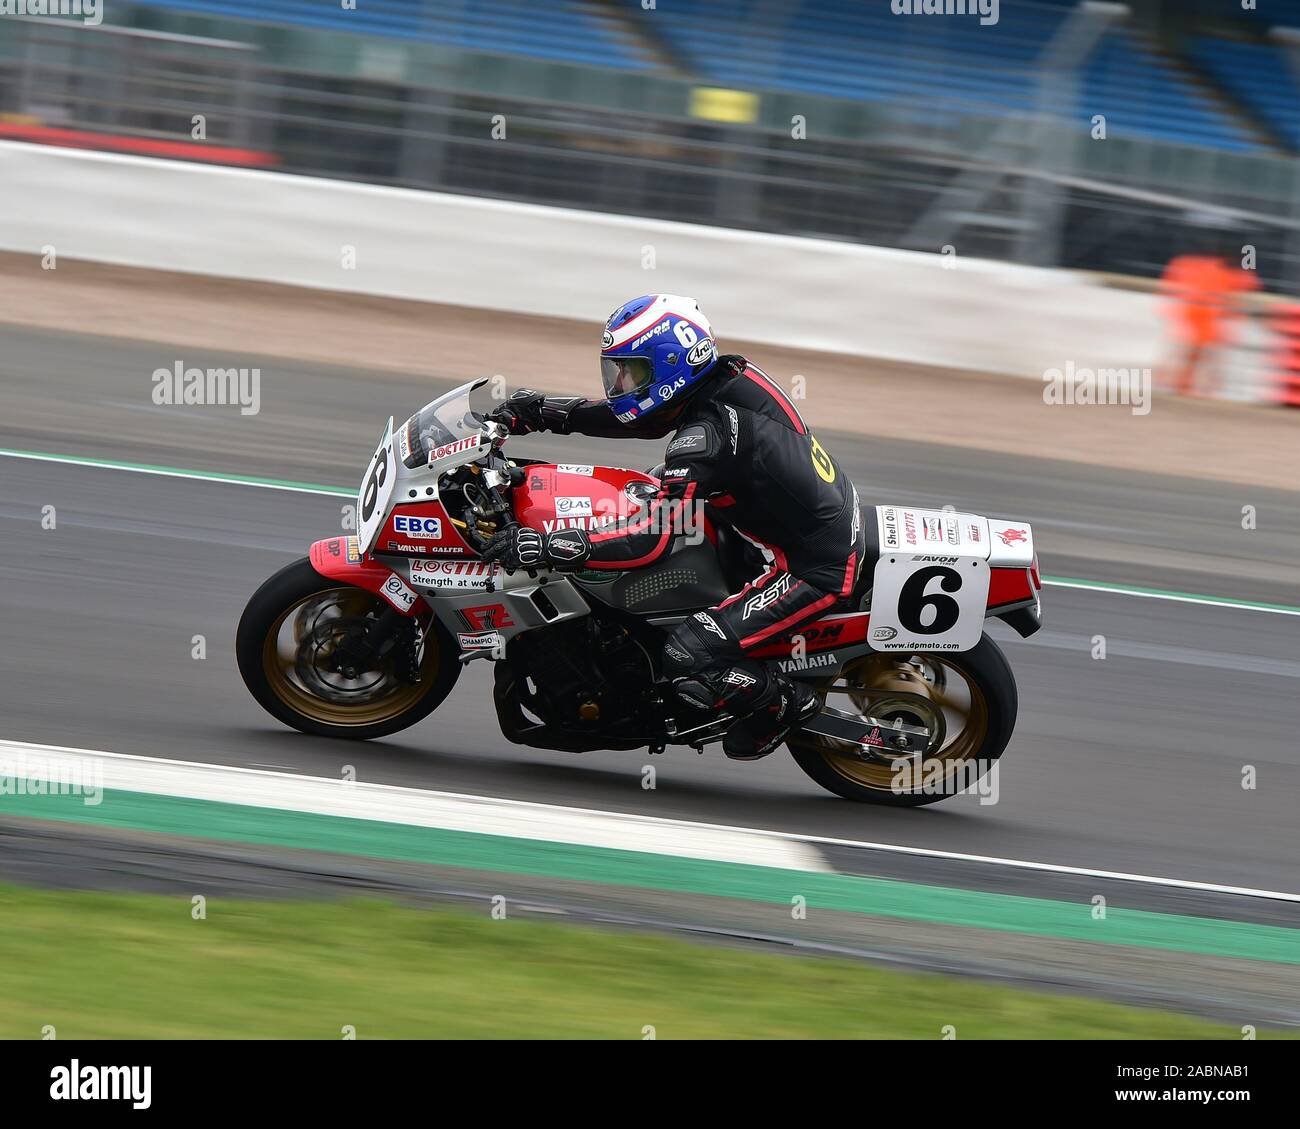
x=525, y=130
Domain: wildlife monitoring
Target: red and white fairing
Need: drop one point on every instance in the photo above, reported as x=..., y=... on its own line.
x=580, y=496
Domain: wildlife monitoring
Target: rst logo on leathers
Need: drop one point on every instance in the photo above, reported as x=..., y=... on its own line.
x=769, y=595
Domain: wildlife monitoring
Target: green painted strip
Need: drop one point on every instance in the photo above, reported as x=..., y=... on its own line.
x=1167, y=594
x=344, y=492
x=876, y=896
x=183, y=472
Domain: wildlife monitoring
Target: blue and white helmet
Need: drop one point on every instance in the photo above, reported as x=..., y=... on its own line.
x=655, y=347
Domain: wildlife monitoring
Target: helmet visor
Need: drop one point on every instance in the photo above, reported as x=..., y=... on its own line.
x=625, y=376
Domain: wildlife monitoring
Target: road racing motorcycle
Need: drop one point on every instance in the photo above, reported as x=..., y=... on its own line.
x=368, y=634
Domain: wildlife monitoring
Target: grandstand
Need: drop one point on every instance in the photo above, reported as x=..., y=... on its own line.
x=918, y=127
x=1210, y=91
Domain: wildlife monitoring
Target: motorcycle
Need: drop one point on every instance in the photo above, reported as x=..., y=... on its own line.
x=368, y=634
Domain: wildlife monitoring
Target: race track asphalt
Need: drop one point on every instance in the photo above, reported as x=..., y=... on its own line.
x=1133, y=763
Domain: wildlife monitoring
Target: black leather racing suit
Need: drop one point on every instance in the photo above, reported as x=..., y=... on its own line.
x=740, y=447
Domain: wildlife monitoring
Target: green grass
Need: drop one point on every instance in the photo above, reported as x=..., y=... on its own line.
x=138, y=966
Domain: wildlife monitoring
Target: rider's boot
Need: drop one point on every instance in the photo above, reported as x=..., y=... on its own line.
x=790, y=705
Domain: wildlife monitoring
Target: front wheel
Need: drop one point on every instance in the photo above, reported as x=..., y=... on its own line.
x=967, y=702
x=288, y=643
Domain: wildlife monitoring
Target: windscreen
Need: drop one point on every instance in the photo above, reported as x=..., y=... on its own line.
x=457, y=415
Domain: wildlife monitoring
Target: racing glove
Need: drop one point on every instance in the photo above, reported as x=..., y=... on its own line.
x=518, y=547
x=526, y=411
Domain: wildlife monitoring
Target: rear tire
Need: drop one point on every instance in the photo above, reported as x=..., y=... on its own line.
x=993, y=706
x=285, y=695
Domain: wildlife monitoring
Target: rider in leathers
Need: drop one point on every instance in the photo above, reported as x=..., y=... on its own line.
x=741, y=448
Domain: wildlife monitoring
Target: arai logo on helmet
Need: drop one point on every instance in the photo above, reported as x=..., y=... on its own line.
x=700, y=353
x=606, y=339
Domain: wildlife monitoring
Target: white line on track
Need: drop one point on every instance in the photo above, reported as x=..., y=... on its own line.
x=532, y=819
x=1176, y=597
x=333, y=492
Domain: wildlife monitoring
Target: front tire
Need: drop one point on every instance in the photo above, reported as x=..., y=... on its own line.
x=284, y=642
x=968, y=700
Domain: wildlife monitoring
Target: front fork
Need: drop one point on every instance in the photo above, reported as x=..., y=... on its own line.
x=388, y=632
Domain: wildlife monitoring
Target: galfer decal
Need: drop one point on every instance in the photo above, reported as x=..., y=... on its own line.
x=585, y=469
x=440, y=550
x=396, y=592
x=467, y=444
x=427, y=528
x=573, y=507
x=480, y=641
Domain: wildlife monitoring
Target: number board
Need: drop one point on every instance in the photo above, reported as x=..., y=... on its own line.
x=927, y=602
x=376, y=490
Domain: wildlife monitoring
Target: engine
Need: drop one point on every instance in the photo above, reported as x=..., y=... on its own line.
x=586, y=676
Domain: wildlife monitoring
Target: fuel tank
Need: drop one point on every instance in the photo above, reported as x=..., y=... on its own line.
x=577, y=496
x=573, y=496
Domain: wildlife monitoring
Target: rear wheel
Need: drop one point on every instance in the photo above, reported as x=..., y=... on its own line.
x=967, y=703
x=288, y=648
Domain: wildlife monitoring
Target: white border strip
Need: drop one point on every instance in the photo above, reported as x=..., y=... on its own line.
x=414, y=807
x=531, y=819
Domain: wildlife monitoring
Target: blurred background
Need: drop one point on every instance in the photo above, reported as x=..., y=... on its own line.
x=830, y=118
x=342, y=196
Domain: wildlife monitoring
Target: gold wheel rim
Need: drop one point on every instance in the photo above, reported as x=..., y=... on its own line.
x=929, y=689
x=295, y=657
